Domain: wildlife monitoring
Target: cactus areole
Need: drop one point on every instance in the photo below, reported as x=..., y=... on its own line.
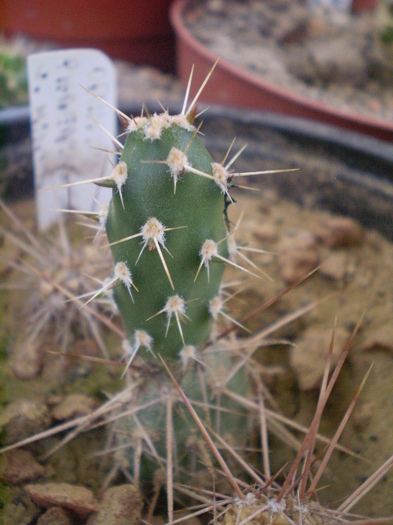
x=166, y=230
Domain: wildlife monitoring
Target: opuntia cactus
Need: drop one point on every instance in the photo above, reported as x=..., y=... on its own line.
x=166, y=230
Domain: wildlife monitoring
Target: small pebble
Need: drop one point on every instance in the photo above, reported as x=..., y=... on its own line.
x=297, y=256
x=334, y=266
x=339, y=232
x=74, y=405
x=55, y=516
x=24, y=418
x=26, y=359
x=266, y=232
x=19, y=509
x=308, y=357
x=19, y=466
x=121, y=505
x=380, y=338
x=78, y=499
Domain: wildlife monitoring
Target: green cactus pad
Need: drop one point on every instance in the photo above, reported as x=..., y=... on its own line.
x=167, y=213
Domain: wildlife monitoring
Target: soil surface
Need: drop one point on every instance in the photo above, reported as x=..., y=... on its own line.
x=335, y=58
x=354, y=276
x=353, y=280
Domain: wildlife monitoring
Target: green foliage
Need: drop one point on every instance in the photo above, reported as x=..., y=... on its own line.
x=13, y=80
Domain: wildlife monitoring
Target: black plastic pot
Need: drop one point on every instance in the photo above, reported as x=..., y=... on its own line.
x=339, y=170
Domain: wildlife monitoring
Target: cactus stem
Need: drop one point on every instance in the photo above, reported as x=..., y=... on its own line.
x=153, y=234
x=176, y=160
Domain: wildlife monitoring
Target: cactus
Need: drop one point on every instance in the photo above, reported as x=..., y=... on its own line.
x=162, y=217
x=169, y=234
x=166, y=229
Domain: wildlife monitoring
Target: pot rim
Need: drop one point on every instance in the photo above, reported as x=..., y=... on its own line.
x=302, y=127
x=187, y=44
x=366, y=161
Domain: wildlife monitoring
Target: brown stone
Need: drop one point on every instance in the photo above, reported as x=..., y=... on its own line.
x=78, y=499
x=19, y=466
x=267, y=232
x=55, y=516
x=339, y=232
x=74, y=405
x=334, y=266
x=18, y=508
x=308, y=357
x=120, y=505
x=26, y=359
x=380, y=338
x=24, y=418
x=297, y=256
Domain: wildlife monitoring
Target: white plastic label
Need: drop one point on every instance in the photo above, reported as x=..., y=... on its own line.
x=64, y=127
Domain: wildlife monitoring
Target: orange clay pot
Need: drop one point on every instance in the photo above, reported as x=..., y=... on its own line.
x=134, y=30
x=232, y=86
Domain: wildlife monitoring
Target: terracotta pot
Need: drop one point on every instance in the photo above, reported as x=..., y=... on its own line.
x=364, y=5
x=232, y=86
x=129, y=29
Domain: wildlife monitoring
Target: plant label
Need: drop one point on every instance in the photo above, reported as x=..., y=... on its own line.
x=66, y=138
